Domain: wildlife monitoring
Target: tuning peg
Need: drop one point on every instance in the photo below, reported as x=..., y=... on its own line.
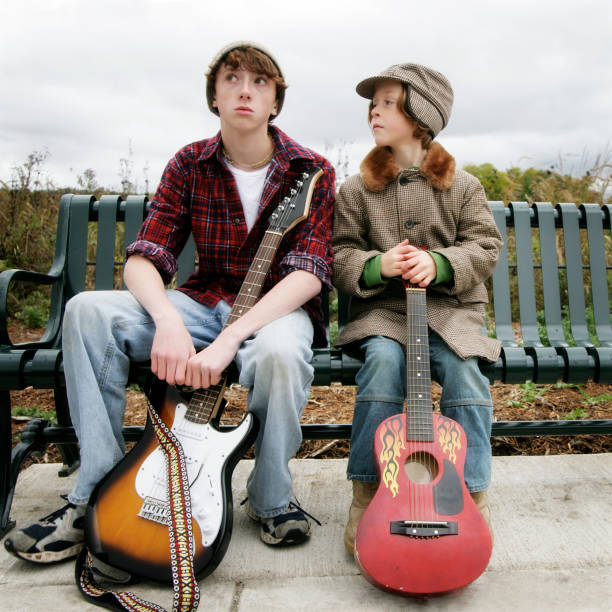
x=305, y=175
x=293, y=192
x=286, y=200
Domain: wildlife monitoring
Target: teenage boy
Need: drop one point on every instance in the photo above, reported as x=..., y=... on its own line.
x=223, y=190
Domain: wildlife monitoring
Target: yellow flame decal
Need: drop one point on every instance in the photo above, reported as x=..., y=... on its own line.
x=450, y=439
x=392, y=442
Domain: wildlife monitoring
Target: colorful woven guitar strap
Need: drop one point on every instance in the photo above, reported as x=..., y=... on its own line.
x=186, y=590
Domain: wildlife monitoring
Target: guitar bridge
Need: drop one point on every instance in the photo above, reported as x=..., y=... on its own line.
x=424, y=529
x=155, y=510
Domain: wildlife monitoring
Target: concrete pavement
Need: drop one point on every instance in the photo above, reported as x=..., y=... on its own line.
x=553, y=547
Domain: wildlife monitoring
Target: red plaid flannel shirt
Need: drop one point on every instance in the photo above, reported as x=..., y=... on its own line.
x=197, y=193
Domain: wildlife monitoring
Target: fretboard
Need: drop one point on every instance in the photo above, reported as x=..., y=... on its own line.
x=419, y=417
x=205, y=402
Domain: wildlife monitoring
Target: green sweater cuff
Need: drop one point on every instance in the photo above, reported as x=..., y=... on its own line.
x=444, y=271
x=371, y=273
x=371, y=276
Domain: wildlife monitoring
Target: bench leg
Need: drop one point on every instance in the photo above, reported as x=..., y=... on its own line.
x=70, y=452
x=6, y=443
x=32, y=440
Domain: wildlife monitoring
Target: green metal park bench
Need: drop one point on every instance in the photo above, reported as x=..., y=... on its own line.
x=560, y=249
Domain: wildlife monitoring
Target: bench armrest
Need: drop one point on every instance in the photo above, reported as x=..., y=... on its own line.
x=9, y=276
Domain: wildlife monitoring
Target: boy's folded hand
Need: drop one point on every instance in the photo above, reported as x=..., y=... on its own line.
x=392, y=262
x=419, y=267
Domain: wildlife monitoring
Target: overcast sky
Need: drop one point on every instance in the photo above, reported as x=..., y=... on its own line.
x=88, y=81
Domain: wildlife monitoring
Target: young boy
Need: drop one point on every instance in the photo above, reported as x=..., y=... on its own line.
x=223, y=190
x=409, y=195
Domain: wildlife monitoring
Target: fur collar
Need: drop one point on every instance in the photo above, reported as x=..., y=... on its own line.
x=378, y=168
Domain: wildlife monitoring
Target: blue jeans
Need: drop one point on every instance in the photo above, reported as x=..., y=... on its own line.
x=381, y=391
x=103, y=331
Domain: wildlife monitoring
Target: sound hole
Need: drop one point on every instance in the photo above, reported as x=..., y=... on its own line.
x=421, y=467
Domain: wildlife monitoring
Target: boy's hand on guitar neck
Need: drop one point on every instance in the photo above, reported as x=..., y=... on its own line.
x=174, y=358
x=206, y=367
x=410, y=262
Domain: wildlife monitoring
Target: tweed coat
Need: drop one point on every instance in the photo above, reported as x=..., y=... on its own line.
x=436, y=207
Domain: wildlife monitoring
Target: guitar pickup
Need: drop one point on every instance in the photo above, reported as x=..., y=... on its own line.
x=424, y=529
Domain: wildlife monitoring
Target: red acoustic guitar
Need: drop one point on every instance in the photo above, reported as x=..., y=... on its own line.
x=422, y=533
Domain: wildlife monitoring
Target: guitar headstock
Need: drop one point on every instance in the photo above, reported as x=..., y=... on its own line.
x=295, y=206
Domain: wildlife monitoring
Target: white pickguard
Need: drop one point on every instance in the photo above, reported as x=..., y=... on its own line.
x=205, y=450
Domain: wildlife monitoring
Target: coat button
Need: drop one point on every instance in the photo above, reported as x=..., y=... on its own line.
x=404, y=180
x=237, y=220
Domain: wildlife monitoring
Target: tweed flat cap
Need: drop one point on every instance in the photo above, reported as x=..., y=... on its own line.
x=214, y=65
x=429, y=98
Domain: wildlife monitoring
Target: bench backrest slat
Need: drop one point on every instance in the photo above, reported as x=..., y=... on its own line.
x=547, y=232
x=599, y=282
x=105, y=252
x=135, y=211
x=501, y=281
x=77, y=244
x=186, y=261
x=526, y=273
x=570, y=217
x=134, y=214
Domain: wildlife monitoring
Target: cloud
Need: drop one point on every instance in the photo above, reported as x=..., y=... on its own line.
x=87, y=79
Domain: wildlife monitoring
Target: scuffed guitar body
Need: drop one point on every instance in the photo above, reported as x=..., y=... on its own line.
x=127, y=516
x=422, y=534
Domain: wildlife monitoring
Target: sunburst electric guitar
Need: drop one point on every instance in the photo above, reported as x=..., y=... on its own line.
x=128, y=512
x=422, y=534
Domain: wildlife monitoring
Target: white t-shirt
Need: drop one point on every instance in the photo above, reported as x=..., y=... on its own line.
x=250, y=189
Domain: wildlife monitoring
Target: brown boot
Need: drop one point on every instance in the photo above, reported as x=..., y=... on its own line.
x=363, y=492
x=482, y=502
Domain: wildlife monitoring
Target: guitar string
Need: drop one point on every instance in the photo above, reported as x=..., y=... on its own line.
x=420, y=425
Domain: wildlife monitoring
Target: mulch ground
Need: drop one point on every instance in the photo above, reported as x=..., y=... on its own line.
x=334, y=404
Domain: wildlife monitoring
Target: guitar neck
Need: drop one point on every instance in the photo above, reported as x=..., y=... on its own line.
x=205, y=403
x=253, y=283
x=419, y=415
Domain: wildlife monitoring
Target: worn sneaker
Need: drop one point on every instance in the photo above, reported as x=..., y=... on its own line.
x=56, y=537
x=289, y=527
